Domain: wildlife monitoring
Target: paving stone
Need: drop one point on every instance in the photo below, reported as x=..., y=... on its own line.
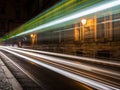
x=4, y=83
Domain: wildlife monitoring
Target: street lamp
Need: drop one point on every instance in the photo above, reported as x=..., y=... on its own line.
x=33, y=37
x=83, y=21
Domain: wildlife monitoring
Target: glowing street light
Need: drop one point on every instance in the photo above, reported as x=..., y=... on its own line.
x=83, y=21
x=33, y=37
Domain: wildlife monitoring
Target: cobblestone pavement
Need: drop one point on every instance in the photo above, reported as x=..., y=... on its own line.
x=4, y=82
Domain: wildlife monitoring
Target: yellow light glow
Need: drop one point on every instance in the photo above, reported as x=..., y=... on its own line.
x=83, y=21
x=31, y=35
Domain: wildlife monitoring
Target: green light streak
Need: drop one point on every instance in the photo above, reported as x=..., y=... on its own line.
x=63, y=8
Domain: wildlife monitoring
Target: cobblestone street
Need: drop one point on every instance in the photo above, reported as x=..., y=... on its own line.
x=4, y=82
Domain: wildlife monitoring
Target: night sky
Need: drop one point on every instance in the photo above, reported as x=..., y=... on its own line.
x=14, y=13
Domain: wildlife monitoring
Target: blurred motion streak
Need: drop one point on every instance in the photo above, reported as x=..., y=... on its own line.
x=66, y=68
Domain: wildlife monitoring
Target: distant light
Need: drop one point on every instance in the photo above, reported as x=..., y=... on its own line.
x=83, y=21
x=75, y=15
x=31, y=35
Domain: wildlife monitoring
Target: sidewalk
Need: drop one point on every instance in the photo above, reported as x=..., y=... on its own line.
x=7, y=80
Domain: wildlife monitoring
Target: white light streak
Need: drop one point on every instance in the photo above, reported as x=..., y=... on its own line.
x=84, y=80
x=66, y=62
x=71, y=56
x=75, y=16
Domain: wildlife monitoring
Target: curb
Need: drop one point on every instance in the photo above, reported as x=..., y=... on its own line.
x=15, y=84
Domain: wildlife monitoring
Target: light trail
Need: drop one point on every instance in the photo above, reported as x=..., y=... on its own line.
x=23, y=70
x=70, y=56
x=104, y=72
x=66, y=62
x=79, y=14
x=75, y=77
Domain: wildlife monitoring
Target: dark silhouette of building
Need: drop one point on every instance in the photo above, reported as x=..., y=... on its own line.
x=14, y=13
